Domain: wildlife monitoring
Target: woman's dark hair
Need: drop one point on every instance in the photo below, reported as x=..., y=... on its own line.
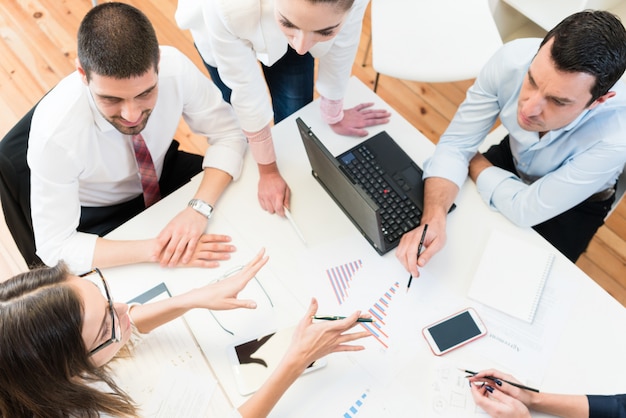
x=45, y=368
x=342, y=5
x=117, y=40
x=592, y=42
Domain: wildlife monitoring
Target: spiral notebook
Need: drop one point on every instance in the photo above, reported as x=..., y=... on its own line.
x=511, y=275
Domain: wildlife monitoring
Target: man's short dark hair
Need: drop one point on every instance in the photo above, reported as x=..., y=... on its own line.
x=117, y=40
x=592, y=42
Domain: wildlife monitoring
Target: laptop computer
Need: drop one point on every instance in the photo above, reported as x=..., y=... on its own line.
x=376, y=184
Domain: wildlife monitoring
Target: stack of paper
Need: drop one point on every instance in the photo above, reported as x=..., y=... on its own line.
x=511, y=275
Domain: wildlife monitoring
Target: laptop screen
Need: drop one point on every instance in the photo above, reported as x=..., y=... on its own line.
x=350, y=197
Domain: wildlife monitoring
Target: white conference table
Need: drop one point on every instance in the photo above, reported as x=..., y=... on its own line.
x=575, y=345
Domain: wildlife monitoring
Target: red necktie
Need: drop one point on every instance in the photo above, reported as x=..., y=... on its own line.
x=147, y=172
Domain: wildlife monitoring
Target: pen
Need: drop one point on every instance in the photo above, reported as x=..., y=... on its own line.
x=495, y=379
x=419, y=251
x=336, y=318
x=293, y=224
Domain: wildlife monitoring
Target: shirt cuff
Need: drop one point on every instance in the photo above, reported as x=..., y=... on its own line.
x=226, y=157
x=488, y=180
x=602, y=406
x=332, y=110
x=77, y=252
x=442, y=166
x=262, y=145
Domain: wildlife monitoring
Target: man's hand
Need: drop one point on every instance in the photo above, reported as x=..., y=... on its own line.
x=274, y=193
x=179, y=241
x=439, y=195
x=359, y=117
x=409, y=243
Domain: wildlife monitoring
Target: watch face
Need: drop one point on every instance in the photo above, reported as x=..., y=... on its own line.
x=202, y=207
x=207, y=210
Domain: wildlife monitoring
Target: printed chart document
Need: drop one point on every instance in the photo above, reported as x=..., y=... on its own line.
x=511, y=275
x=167, y=373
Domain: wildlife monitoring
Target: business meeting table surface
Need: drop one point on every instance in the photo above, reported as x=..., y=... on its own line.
x=575, y=343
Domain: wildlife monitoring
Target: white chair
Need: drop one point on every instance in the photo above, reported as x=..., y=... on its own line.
x=432, y=40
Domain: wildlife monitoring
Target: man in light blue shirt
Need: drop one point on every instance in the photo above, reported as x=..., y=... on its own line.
x=565, y=112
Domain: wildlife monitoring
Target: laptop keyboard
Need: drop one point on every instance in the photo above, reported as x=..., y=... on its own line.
x=398, y=213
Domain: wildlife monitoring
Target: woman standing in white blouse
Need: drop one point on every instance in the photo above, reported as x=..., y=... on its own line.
x=233, y=36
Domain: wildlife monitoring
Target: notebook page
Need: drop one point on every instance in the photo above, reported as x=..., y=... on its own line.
x=511, y=275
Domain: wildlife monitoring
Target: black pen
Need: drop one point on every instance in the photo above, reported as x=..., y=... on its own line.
x=495, y=379
x=419, y=251
x=336, y=318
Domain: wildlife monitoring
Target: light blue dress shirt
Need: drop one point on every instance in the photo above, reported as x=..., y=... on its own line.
x=557, y=172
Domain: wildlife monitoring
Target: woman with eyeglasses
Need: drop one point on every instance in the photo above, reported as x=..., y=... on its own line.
x=58, y=331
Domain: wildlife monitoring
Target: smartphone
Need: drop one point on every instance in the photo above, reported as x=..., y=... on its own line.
x=454, y=331
x=254, y=359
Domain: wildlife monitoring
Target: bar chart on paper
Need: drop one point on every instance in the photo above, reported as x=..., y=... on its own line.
x=356, y=406
x=379, y=313
x=349, y=396
x=340, y=278
x=355, y=285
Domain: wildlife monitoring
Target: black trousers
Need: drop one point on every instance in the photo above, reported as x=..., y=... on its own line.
x=178, y=168
x=571, y=231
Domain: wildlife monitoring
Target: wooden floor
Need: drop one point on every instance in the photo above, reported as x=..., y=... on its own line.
x=38, y=48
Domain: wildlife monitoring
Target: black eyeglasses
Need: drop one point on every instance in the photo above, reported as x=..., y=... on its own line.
x=115, y=326
x=226, y=275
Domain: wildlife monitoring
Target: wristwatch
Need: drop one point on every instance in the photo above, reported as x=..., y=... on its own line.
x=201, y=207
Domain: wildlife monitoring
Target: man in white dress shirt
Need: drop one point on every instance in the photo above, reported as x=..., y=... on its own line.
x=85, y=178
